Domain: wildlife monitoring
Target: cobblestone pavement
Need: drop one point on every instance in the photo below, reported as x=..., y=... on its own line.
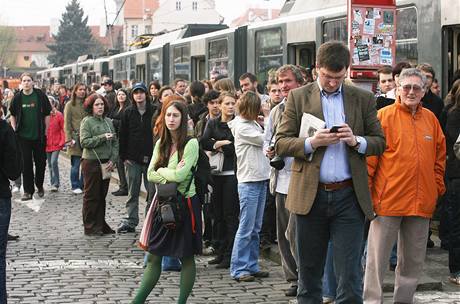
x=53, y=262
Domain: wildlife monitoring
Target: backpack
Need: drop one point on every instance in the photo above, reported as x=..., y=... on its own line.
x=201, y=173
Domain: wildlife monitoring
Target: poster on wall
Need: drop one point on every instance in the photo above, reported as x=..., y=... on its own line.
x=372, y=32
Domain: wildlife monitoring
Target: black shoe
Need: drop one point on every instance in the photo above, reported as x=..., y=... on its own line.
x=26, y=197
x=245, y=278
x=261, y=274
x=123, y=228
x=41, y=192
x=12, y=237
x=217, y=260
x=392, y=267
x=429, y=244
x=225, y=264
x=291, y=291
x=120, y=192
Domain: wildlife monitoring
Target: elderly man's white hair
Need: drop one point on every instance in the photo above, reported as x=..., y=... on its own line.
x=406, y=73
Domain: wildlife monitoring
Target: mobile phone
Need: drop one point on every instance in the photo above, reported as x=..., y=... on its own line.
x=335, y=129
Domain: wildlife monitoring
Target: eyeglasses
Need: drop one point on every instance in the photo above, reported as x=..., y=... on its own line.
x=407, y=88
x=331, y=78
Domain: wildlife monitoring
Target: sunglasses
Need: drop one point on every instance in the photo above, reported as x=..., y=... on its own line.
x=407, y=88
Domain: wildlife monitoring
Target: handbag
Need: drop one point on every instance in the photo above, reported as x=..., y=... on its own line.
x=216, y=161
x=169, y=205
x=144, y=238
x=106, y=173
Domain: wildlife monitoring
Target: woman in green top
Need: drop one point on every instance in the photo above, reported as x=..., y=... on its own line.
x=173, y=158
x=100, y=146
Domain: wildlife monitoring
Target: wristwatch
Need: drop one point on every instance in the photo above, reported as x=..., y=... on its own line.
x=358, y=143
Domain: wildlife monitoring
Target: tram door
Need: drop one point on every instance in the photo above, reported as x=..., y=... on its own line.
x=198, y=68
x=140, y=72
x=302, y=54
x=451, y=55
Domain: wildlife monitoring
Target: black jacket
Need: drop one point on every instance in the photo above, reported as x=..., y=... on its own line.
x=382, y=102
x=433, y=103
x=217, y=130
x=116, y=115
x=9, y=168
x=452, y=130
x=44, y=110
x=136, y=139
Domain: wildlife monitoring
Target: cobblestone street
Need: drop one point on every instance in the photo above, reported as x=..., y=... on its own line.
x=53, y=262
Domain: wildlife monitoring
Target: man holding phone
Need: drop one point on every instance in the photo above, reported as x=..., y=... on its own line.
x=136, y=147
x=329, y=195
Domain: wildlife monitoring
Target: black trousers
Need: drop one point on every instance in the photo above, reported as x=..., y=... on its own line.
x=226, y=210
x=453, y=200
x=33, y=151
x=268, y=231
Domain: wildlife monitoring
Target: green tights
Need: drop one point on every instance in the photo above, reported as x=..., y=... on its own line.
x=152, y=274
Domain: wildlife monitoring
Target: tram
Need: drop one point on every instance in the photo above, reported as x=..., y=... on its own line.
x=427, y=31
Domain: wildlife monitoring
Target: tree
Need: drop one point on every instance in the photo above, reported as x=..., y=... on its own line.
x=7, y=44
x=74, y=37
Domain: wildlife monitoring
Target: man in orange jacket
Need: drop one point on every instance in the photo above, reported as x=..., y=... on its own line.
x=402, y=189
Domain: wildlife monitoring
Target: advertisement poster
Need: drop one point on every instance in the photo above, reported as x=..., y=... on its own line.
x=372, y=36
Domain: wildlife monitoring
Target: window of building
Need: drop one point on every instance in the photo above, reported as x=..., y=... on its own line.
x=178, y=6
x=148, y=29
x=195, y=5
x=134, y=30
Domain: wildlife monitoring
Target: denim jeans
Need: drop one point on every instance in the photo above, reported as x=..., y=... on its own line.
x=337, y=217
x=245, y=253
x=329, y=281
x=76, y=177
x=134, y=174
x=170, y=264
x=5, y=215
x=53, y=167
x=394, y=254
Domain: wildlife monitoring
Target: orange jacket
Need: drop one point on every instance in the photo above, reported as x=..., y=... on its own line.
x=408, y=177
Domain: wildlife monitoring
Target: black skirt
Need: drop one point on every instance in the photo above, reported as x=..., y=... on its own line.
x=183, y=241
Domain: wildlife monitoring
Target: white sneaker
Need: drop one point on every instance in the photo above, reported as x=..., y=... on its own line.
x=15, y=189
x=77, y=191
x=54, y=189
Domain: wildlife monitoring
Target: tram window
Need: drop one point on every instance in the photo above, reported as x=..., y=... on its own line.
x=218, y=56
x=335, y=30
x=155, y=62
x=132, y=68
x=182, y=62
x=407, y=23
x=406, y=35
x=269, y=52
x=120, y=68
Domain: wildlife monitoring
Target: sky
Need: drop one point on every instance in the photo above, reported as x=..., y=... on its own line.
x=41, y=12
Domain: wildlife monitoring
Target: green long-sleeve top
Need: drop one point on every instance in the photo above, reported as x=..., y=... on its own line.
x=92, y=138
x=171, y=173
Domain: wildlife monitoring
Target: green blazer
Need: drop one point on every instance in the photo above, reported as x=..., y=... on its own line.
x=360, y=115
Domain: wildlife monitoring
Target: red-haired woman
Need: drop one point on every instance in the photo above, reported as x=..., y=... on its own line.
x=100, y=146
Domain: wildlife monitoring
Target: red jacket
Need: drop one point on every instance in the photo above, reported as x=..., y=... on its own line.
x=55, y=136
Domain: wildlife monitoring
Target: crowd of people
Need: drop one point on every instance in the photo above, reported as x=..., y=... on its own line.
x=343, y=202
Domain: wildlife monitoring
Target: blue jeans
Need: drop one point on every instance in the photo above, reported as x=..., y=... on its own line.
x=5, y=215
x=337, y=217
x=329, y=281
x=53, y=167
x=245, y=253
x=170, y=264
x=394, y=254
x=76, y=177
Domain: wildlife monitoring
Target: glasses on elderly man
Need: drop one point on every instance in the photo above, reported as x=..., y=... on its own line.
x=407, y=88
